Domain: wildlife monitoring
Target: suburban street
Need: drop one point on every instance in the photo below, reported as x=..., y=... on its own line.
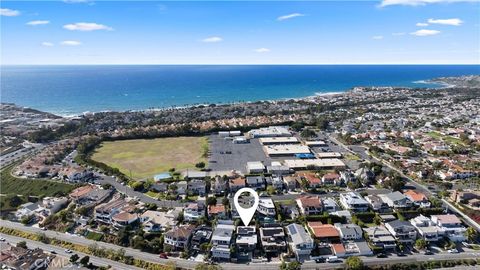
x=103, y=179
x=188, y=264
x=362, y=152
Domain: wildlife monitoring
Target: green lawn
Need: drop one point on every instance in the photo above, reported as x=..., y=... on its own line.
x=32, y=187
x=142, y=159
x=94, y=236
x=447, y=139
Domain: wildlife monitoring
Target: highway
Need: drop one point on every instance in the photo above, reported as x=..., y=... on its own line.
x=9, y=158
x=13, y=240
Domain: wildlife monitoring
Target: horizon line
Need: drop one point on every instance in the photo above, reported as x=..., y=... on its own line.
x=251, y=64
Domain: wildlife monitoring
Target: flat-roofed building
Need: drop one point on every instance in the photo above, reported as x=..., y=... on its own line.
x=272, y=238
x=315, y=143
x=302, y=164
x=246, y=242
x=285, y=150
x=278, y=140
x=255, y=167
x=222, y=240
x=328, y=155
x=272, y=131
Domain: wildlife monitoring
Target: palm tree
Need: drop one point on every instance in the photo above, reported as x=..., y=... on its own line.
x=471, y=234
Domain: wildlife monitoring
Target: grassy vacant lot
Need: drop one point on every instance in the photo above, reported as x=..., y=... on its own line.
x=447, y=139
x=32, y=187
x=145, y=158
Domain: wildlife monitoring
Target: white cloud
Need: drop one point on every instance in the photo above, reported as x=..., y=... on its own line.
x=398, y=34
x=262, y=50
x=454, y=21
x=34, y=23
x=290, y=16
x=212, y=39
x=47, y=44
x=377, y=37
x=9, y=12
x=83, y=26
x=422, y=24
x=71, y=43
x=385, y=3
x=425, y=32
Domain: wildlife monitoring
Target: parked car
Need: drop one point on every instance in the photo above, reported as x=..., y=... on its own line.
x=428, y=252
x=68, y=251
x=381, y=255
x=320, y=260
x=333, y=259
x=53, y=251
x=453, y=250
x=163, y=256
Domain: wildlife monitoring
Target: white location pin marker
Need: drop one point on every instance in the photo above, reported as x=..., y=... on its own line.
x=246, y=214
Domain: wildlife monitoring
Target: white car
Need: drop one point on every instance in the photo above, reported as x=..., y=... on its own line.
x=68, y=251
x=2, y=239
x=453, y=250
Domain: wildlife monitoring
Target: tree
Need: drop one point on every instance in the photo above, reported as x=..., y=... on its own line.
x=22, y=244
x=15, y=201
x=200, y=165
x=85, y=260
x=354, y=263
x=420, y=244
x=211, y=201
x=74, y=258
x=471, y=234
x=307, y=133
x=290, y=266
x=377, y=220
x=271, y=190
x=297, y=126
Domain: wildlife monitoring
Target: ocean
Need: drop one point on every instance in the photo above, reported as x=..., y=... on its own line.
x=72, y=90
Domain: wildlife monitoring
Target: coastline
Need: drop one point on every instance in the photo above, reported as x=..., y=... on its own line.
x=308, y=98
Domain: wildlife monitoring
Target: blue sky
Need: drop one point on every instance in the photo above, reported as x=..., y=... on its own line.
x=227, y=32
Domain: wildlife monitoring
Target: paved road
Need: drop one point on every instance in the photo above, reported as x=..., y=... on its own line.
x=8, y=159
x=230, y=266
x=103, y=179
x=13, y=240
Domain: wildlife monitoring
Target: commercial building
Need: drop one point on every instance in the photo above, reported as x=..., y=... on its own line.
x=285, y=150
x=278, y=140
x=302, y=164
x=255, y=167
x=272, y=131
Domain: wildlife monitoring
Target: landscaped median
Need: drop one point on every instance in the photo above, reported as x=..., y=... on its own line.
x=111, y=254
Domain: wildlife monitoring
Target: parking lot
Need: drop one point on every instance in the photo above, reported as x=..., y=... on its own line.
x=226, y=155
